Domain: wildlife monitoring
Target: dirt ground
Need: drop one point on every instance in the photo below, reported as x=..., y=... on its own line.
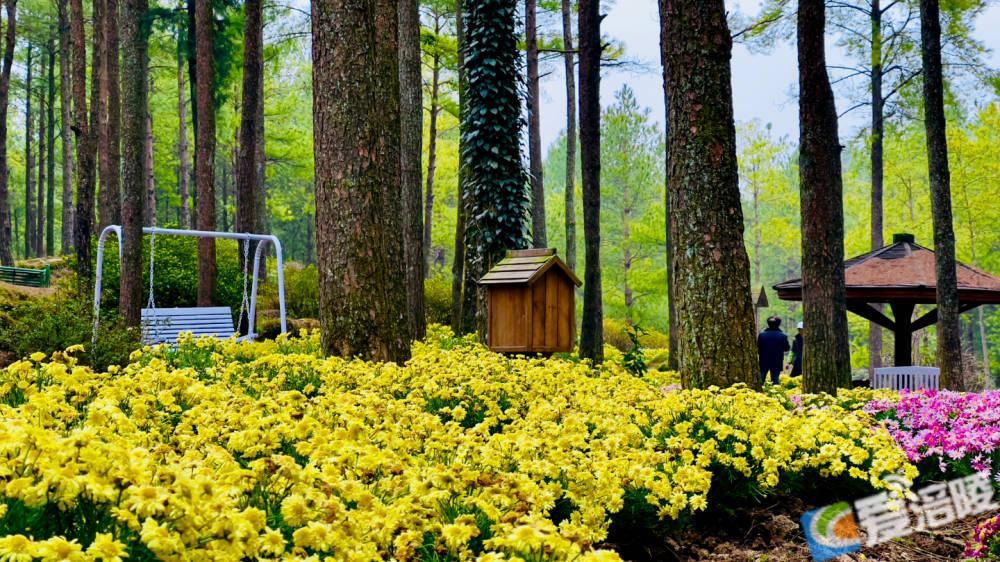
x=773, y=533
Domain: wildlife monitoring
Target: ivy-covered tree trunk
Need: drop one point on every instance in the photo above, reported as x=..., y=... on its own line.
x=569, y=67
x=458, y=265
x=6, y=247
x=538, y=235
x=66, y=120
x=949, y=337
x=86, y=148
x=358, y=209
x=826, y=360
x=204, y=161
x=592, y=323
x=134, y=118
x=411, y=117
x=496, y=185
x=715, y=331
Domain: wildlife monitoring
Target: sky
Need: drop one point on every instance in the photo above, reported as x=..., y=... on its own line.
x=764, y=86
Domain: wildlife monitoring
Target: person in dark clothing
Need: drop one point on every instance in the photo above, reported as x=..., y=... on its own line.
x=772, y=344
x=797, y=353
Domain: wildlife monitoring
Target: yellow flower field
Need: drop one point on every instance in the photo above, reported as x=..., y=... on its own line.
x=223, y=451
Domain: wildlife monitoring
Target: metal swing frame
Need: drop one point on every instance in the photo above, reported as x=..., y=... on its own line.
x=260, y=238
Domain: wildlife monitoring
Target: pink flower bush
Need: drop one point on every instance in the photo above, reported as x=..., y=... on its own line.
x=949, y=426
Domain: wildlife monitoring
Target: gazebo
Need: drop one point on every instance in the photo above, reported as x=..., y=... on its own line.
x=902, y=275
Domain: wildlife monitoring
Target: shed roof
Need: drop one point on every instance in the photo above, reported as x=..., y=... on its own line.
x=903, y=270
x=524, y=267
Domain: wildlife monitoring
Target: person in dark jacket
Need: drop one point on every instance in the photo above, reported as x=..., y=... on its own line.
x=772, y=344
x=797, y=353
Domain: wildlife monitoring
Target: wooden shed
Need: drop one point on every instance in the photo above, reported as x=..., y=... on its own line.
x=531, y=300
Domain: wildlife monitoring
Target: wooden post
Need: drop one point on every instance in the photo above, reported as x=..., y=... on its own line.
x=902, y=313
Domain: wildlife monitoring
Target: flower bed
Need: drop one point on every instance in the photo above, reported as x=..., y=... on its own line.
x=264, y=450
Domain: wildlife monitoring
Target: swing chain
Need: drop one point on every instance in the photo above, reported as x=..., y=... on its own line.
x=151, y=302
x=245, y=303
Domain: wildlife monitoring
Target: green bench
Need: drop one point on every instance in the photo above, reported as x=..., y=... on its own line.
x=26, y=277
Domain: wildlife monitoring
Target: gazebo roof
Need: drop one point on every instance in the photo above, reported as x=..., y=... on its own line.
x=903, y=270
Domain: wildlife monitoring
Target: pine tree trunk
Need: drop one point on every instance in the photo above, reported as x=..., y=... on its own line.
x=99, y=91
x=134, y=121
x=411, y=113
x=826, y=361
x=592, y=325
x=149, y=198
x=204, y=160
x=39, y=226
x=949, y=337
x=432, y=151
x=571, y=133
x=66, y=120
x=183, y=156
x=86, y=147
x=112, y=146
x=538, y=235
x=246, y=167
x=6, y=249
x=50, y=134
x=714, y=331
x=878, y=129
x=29, y=167
x=358, y=209
x=627, y=251
x=260, y=159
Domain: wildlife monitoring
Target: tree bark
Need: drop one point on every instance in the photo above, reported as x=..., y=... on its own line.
x=246, y=167
x=358, y=209
x=826, y=362
x=66, y=109
x=112, y=144
x=714, y=332
x=949, y=337
x=432, y=150
x=571, y=133
x=538, y=235
x=6, y=249
x=29, y=167
x=39, y=226
x=204, y=161
x=99, y=116
x=148, y=169
x=135, y=119
x=50, y=134
x=86, y=146
x=878, y=129
x=183, y=156
x=592, y=325
x=411, y=113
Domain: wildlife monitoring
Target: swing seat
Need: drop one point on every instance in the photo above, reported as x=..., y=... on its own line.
x=165, y=325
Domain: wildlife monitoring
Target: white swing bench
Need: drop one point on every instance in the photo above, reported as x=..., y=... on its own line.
x=908, y=378
x=165, y=325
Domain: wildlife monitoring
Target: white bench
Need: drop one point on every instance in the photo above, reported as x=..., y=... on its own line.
x=909, y=378
x=164, y=325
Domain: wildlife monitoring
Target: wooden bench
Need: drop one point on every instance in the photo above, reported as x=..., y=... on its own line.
x=165, y=325
x=909, y=378
x=26, y=277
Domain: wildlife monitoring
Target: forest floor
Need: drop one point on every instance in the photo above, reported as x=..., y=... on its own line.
x=774, y=533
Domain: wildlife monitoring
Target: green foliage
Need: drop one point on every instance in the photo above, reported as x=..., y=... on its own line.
x=437, y=299
x=497, y=195
x=301, y=291
x=633, y=359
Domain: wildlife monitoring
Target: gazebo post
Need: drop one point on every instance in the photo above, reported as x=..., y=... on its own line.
x=902, y=313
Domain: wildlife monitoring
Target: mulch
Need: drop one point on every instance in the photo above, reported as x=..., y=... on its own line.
x=773, y=532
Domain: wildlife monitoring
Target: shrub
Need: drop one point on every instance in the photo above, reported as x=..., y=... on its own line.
x=437, y=299
x=616, y=334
